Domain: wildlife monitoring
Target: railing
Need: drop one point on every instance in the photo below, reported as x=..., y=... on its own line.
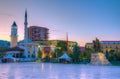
x=26, y=59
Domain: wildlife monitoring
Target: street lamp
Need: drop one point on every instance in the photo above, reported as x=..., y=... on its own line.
x=57, y=49
x=38, y=46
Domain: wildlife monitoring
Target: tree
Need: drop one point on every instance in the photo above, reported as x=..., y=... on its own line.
x=54, y=55
x=111, y=55
x=39, y=53
x=86, y=55
x=88, y=52
x=76, y=53
x=107, y=55
x=118, y=56
x=96, y=45
x=3, y=51
x=61, y=48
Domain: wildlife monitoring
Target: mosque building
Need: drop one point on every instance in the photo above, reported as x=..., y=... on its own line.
x=35, y=38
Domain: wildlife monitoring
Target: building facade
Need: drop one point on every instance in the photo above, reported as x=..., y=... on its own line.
x=89, y=45
x=37, y=33
x=15, y=52
x=44, y=45
x=106, y=45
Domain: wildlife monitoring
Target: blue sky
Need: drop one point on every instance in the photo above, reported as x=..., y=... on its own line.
x=84, y=20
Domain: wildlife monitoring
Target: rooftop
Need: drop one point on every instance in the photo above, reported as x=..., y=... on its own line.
x=15, y=49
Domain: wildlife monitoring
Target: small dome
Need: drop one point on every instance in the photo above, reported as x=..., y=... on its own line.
x=28, y=41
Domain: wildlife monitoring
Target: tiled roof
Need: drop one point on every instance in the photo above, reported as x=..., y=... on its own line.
x=38, y=27
x=15, y=49
x=89, y=43
x=110, y=42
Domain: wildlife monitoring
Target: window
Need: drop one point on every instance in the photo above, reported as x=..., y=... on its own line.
x=106, y=46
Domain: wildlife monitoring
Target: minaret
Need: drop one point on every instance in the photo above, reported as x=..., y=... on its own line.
x=25, y=35
x=25, y=24
x=14, y=35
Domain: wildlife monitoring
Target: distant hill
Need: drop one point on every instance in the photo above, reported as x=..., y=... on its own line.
x=4, y=43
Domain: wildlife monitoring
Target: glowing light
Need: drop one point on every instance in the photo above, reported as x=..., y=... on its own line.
x=59, y=47
x=100, y=54
x=43, y=54
x=39, y=46
x=50, y=54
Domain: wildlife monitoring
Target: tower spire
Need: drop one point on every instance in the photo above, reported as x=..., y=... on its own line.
x=25, y=34
x=25, y=24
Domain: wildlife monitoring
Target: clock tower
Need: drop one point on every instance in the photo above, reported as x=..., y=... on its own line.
x=14, y=35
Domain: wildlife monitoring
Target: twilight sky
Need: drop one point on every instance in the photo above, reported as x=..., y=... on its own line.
x=84, y=20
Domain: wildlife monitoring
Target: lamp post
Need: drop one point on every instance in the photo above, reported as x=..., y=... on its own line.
x=57, y=50
x=116, y=49
x=38, y=49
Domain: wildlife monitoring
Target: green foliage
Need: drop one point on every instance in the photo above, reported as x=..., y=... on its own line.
x=63, y=45
x=76, y=53
x=118, y=56
x=96, y=45
x=86, y=55
x=61, y=48
x=54, y=55
x=2, y=51
x=112, y=55
x=107, y=55
x=2, y=54
x=39, y=53
x=112, y=51
x=83, y=56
